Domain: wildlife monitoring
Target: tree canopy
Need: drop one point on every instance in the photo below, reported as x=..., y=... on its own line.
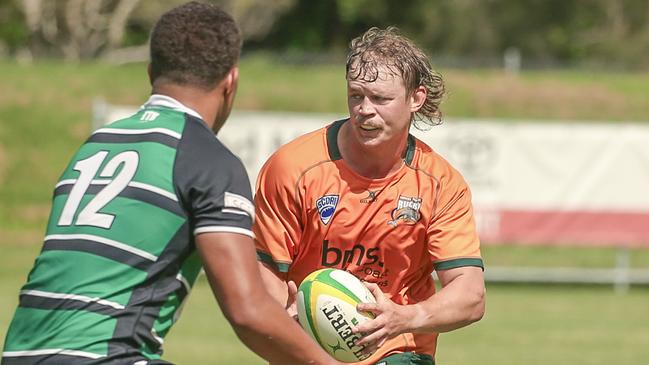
x=609, y=33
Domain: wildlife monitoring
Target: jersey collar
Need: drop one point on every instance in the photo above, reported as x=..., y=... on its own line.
x=164, y=101
x=334, y=151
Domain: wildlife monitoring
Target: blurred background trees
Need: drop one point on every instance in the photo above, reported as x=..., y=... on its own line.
x=461, y=33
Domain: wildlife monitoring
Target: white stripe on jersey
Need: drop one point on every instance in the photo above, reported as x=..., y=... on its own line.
x=105, y=241
x=158, y=100
x=235, y=211
x=65, y=182
x=166, y=131
x=81, y=298
x=89, y=355
x=184, y=281
x=153, y=189
x=223, y=229
x=157, y=338
x=239, y=202
x=133, y=184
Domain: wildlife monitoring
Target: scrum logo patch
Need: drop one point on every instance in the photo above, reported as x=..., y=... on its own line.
x=406, y=212
x=326, y=205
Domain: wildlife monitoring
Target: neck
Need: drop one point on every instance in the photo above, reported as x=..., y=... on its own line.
x=200, y=100
x=372, y=162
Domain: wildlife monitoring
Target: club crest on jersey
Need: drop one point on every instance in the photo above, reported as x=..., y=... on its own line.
x=326, y=205
x=406, y=212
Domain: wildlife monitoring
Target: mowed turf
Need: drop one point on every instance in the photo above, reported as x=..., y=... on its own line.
x=534, y=324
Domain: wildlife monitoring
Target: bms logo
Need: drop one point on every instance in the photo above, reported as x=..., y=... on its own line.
x=327, y=207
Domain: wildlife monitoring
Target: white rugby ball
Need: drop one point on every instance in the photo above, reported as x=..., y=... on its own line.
x=326, y=308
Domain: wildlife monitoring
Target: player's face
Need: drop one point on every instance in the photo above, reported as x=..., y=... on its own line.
x=380, y=111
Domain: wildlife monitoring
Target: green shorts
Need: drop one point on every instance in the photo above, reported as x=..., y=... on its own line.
x=406, y=358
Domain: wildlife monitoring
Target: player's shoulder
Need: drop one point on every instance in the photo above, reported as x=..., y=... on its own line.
x=202, y=152
x=430, y=162
x=199, y=136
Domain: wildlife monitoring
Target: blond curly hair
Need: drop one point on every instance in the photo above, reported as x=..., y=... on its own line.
x=388, y=48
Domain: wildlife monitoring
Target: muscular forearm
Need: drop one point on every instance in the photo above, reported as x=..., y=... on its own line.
x=255, y=329
x=259, y=321
x=458, y=304
x=273, y=284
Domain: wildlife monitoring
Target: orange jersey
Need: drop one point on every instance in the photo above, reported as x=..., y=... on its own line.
x=313, y=211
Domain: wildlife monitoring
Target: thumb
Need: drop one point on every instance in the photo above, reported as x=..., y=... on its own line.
x=292, y=293
x=291, y=301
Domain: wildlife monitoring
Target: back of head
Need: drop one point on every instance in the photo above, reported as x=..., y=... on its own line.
x=387, y=48
x=194, y=44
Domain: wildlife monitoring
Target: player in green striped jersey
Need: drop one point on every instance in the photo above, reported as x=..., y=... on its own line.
x=144, y=204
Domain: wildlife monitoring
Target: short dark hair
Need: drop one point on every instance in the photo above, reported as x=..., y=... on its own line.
x=386, y=47
x=194, y=44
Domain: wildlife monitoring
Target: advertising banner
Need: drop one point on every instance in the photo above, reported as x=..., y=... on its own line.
x=533, y=182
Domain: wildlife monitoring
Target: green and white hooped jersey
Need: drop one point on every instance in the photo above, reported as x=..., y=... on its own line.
x=119, y=257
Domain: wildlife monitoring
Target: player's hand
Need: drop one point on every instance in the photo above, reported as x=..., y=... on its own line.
x=390, y=320
x=291, y=301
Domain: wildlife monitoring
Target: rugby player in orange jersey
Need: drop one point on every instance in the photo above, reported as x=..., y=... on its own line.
x=365, y=196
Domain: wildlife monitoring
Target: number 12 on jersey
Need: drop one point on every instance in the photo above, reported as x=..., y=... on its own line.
x=88, y=168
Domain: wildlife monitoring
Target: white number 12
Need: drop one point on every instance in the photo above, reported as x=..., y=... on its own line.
x=89, y=215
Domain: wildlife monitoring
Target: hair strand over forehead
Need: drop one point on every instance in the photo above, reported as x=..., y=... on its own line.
x=386, y=48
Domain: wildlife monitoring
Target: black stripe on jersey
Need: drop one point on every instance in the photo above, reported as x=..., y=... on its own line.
x=135, y=193
x=131, y=331
x=59, y=359
x=49, y=360
x=161, y=138
x=332, y=139
x=99, y=249
x=35, y=301
x=409, y=154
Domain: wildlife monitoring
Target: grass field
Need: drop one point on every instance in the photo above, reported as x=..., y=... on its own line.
x=523, y=325
x=45, y=113
x=561, y=325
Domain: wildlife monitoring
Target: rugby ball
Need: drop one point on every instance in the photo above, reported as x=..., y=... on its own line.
x=326, y=308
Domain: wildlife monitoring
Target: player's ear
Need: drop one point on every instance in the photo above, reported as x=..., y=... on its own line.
x=231, y=80
x=150, y=73
x=418, y=98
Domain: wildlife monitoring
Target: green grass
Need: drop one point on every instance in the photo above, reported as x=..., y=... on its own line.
x=553, y=325
x=523, y=325
x=561, y=256
x=586, y=325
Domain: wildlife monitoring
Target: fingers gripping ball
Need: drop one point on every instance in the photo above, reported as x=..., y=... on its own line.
x=326, y=308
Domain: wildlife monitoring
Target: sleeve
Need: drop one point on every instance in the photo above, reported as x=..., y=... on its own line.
x=212, y=183
x=452, y=237
x=278, y=226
